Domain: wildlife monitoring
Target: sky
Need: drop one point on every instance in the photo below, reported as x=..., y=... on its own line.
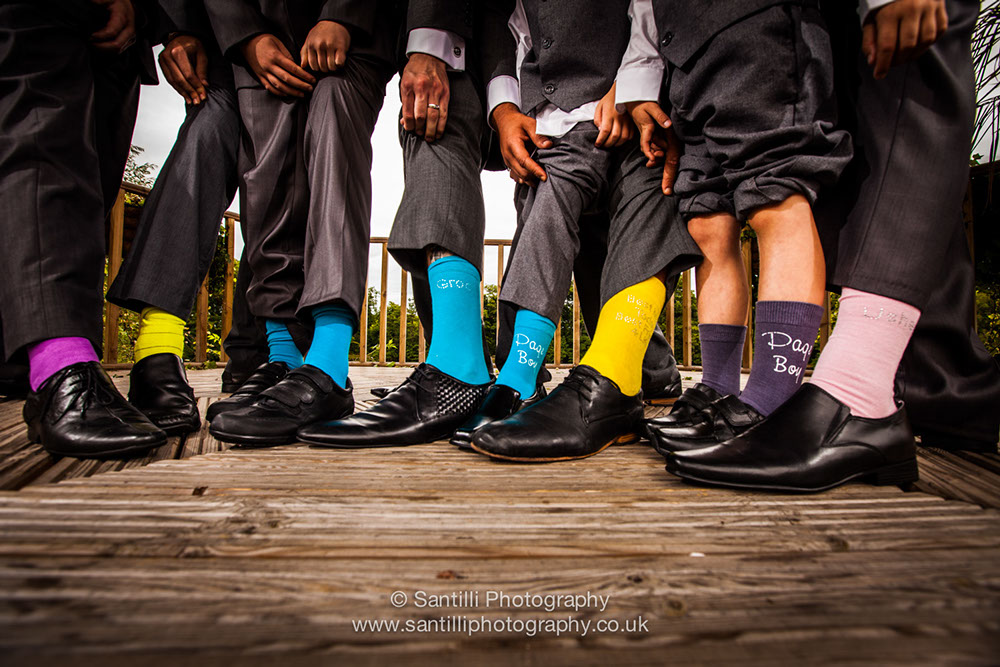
x=161, y=112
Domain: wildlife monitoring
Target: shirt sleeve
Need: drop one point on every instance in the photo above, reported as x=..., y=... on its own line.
x=505, y=88
x=865, y=7
x=640, y=74
x=442, y=44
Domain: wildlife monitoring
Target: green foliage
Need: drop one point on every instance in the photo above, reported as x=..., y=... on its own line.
x=988, y=316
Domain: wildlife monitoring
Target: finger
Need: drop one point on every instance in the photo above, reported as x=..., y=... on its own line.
x=671, y=161
x=201, y=67
x=908, y=38
x=430, y=130
x=420, y=110
x=628, y=131
x=942, y=18
x=331, y=61
x=280, y=70
x=529, y=167
x=178, y=81
x=887, y=35
x=539, y=140
x=284, y=60
x=406, y=93
x=443, y=114
x=341, y=57
x=615, y=138
x=646, y=141
x=868, y=43
x=310, y=59
x=190, y=78
x=604, y=129
x=513, y=155
x=283, y=88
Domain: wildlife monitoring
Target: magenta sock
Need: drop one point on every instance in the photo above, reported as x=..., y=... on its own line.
x=721, y=356
x=784, y=333
x=858, y=365
x=51, y=356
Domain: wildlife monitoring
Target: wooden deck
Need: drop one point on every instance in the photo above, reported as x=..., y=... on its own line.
x=197, y=555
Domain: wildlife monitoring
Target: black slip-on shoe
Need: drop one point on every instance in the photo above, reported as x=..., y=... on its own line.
x=266, y=376
x=667, y=395
x=79, y=412
x=719, y=421
x=158, y=388
x=501, y=402
x=811, y=443
x=381, y=392
x=305, y=395
x=585, y=414
x=687, y=409
x=428, y=406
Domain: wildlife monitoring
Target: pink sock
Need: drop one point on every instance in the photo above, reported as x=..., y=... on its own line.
x=858, y=365
x=51, y=356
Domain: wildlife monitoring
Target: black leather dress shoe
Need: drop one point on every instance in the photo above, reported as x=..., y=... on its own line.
x=428, y=406
x=381, y=392
x=667, y=395
x=585, y=414
x=719, y=421
x=304, y=396
x=811, y=443
x=687, y=409
x=158, y=387
x=500, y=403
x=79, y=412
x=266, y=376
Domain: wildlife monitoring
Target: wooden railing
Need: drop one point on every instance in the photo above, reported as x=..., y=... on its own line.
x=684, y=351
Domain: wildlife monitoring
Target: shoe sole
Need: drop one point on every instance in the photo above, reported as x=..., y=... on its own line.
x=897, y=474
x=255, y=441
x=123, y=452
x=662, y=401
x=620, y=440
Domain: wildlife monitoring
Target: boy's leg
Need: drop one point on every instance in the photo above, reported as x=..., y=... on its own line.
x=437, y=237
x=337, y=154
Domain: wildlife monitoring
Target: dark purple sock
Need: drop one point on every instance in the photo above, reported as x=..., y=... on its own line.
x=721, y=354
x=784, y=334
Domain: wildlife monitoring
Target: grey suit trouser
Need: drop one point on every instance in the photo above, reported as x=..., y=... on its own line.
x=893, y=227
x=176, y=237
x=307, y=173
x=66, y=119
x=442, y=202
x=645, y=235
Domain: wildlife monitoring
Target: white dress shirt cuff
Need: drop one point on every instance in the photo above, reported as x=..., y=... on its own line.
x=637, y=84
x=499, y=90
x=442, y=44
x=865, y=7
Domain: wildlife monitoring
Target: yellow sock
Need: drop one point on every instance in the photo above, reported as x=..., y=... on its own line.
x=624, y=328
x=159, y=332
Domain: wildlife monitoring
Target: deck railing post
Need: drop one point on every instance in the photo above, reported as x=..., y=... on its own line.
x=686, y=316
x=383, y=305
x=363, y=329
x=402, y=319
x=227, y=290
x=576, y=326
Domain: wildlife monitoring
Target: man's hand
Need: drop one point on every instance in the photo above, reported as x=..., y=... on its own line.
x=424, y=82
x=615, y=128
x=515, y=131
x=657, y=140
x=119, y=32
x=274, y=67
x=185, y=66
x=901, y=31
x=326, y=47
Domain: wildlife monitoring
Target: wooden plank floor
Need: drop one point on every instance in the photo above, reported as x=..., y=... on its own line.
x=273, y=557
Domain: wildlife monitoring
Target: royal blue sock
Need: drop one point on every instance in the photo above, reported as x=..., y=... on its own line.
x=457, y=335
x=721, y=356
x=532, y=337
x=280, y=345
x=784, y=333
x=332, y=340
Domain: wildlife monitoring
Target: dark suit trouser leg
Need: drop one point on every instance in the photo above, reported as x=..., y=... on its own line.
x=900, y=234
x=176, y=238
x=246, y=345
x=948, y=381
x=51, y=170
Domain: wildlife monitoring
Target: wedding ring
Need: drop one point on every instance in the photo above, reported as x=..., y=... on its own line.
x=431, y=105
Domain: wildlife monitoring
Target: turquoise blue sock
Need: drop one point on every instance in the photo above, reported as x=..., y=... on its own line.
x=280, y=345
x=457, y=336
x=532, y=337
x=332, y=340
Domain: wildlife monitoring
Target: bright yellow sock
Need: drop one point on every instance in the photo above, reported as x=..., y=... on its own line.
x=623, y=331
x=159, y=332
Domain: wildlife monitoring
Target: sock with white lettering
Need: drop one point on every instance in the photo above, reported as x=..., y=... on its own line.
x=858, y=365
x=532, y=337
x=784, y=334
